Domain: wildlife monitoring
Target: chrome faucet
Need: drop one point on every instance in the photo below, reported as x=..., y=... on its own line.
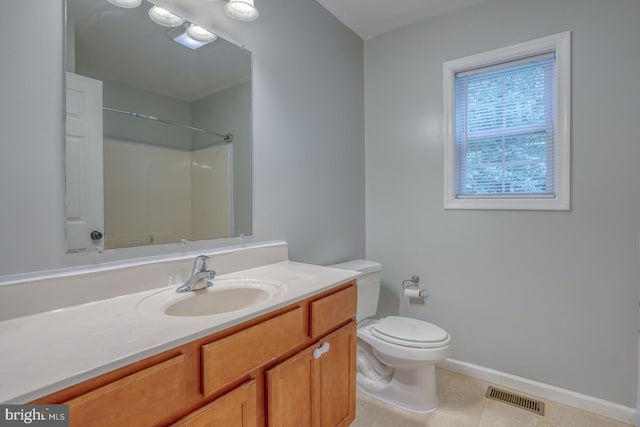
x=201, y=278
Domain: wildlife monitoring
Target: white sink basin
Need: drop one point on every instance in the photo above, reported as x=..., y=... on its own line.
x=225, y=296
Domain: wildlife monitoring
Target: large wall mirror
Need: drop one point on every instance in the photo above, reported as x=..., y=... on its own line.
x=158, y=133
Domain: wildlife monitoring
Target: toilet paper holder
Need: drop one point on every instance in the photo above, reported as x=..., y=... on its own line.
x=415, y=279
x=411, y=289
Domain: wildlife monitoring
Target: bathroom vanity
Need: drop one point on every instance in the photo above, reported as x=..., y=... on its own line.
x=272, y=368
x=288, y=360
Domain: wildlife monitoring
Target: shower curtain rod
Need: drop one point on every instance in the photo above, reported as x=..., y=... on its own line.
x=226, y=138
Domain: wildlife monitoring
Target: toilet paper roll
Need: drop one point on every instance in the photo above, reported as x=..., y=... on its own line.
x=413, y=293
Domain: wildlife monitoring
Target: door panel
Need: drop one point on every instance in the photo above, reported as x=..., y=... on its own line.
x=291, y=392
x=236, y=408
x=83, y=148
x=337, y=378
x=317, y=386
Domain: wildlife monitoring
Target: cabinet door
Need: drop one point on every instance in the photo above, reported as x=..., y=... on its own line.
x=236, y=408
x=292, y=392
x=315, y=388
x=337, y=368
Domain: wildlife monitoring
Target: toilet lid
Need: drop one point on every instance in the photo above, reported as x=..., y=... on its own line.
x=409, y=332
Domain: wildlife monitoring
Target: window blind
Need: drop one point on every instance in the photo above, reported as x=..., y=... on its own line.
x=505, y=129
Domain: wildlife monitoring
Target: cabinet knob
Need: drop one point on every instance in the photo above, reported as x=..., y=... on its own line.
x=318, y=352
x=96, y=235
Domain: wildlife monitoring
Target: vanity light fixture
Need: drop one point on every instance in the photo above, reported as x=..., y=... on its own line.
x=188, y=34
x=127, y=4
x=165, y=18
x=241, y=10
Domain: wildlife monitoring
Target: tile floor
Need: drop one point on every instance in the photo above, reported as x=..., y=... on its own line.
x=462, y=404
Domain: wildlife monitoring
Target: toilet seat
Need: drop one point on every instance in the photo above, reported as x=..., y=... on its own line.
x=410, y=332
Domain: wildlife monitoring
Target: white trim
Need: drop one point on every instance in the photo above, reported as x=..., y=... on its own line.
x=638, y=383
x=561, y=43
x=541, y=390
x=528, y=59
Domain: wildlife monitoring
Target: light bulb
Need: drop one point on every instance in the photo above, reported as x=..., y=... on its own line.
x=127, y=4
x=165, y=18
x=200, y=34
x=241, y=10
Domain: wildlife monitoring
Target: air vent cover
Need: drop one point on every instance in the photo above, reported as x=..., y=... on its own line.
x=535, y=406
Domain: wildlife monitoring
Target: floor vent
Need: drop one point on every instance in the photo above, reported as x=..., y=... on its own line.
x=535, y=406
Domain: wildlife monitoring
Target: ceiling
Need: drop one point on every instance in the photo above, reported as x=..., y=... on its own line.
x=369, y=18
x=125, y=46
x=103, y=47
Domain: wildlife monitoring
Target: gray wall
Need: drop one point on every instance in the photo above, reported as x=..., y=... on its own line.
x=308, y=134
x=130, y=98
x=549, y=296
x=228, y=111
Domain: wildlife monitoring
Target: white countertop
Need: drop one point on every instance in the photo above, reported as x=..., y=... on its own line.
x=46, y=352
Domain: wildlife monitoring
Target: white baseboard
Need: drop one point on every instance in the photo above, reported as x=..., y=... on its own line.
x=543, y=391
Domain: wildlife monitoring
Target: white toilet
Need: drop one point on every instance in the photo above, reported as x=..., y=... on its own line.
x=396, y=355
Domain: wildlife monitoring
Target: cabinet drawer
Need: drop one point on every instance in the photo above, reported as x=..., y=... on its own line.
x=146, y=398
x=237, y=408
x=332, y=310
x=230, y=358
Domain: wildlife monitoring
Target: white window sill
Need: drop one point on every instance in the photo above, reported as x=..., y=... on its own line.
x=509, y=204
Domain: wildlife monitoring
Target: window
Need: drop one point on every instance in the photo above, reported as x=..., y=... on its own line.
x=507, y=127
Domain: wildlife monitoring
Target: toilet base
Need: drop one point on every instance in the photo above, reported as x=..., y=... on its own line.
x=413, y=390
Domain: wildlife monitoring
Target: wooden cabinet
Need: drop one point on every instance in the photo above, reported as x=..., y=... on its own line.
x=148, y=397
x=315, y=388
x=292, y=367
x=228, y=359
x=332, y=310
x=337, y=369
x=292, y=391
x=236, y=408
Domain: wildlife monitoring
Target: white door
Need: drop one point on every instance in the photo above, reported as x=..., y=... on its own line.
x=84, y=164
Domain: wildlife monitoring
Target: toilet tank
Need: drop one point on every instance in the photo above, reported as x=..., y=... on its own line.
x=368, y=285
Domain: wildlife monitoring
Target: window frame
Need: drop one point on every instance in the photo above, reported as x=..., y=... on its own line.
x=561, y=44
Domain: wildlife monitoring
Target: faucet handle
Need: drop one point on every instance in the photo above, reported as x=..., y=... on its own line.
x=210, y=276
x=200, y=263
